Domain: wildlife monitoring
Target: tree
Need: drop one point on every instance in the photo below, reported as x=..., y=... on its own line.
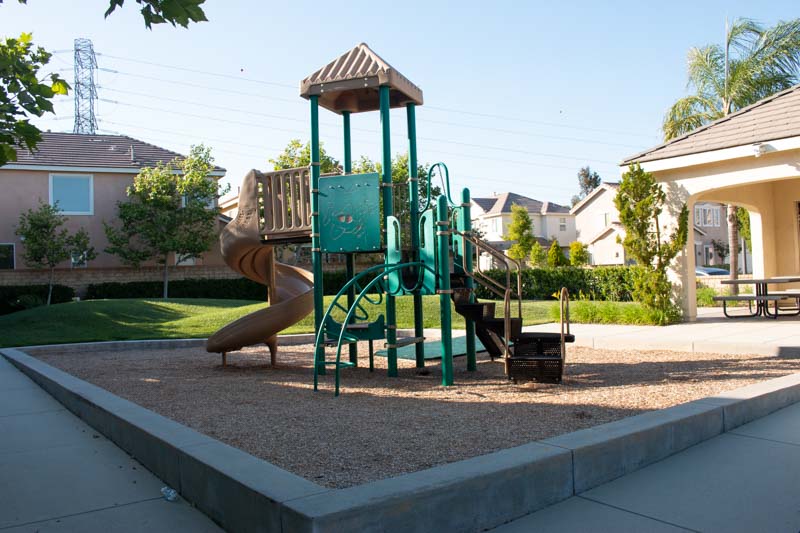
x=743, y=217
x=296, y=155
x=168, y=213
x=23, y=94
x=588, y=180
x=521, y=231
x=47, y=243
x=640, y=202
x=555, y=255
x=578, y=254
x=753, y=63
x=538, y=255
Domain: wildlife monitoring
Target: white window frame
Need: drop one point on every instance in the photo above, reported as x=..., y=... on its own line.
x=702, y=211
x=562, y=224
x=13, y=255
x=74, y=264
x=91, y=191
x=184, y=260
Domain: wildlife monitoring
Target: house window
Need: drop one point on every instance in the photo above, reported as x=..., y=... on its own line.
x=606, y=219
x=6, y=257
x=185, y=260
x=706, y=216
x=79, y=260
x=562, y=224
x=74, y=193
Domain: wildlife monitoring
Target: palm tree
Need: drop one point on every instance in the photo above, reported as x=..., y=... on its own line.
x=753, y=63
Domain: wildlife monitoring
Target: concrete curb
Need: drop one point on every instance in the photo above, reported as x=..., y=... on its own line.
x=243, y=493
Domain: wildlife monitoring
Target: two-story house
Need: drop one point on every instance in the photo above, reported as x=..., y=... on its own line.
x=86, y=175
x=597, y=226
x=492, y=217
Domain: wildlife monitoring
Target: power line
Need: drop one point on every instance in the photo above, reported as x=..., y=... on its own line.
x=435, y=108
x=458, y=143
x=204, y=72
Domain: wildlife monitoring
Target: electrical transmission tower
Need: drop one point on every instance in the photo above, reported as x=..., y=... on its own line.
x=85, y=88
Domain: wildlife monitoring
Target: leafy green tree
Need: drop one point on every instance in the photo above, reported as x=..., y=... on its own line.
x=521, y=231
x=296, y=155
x=555, y=255
x=168, y=212
x=578, y=254
x=588, y=180
x=538, y=256
x=640, y=202
x=48, y=243
x=23, y=94
x=754, y=62
x=743, y=218
x=176, y=12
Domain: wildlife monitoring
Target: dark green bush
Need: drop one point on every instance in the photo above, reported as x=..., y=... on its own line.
x=18, y=297
x=601, y=283
x=225, y=289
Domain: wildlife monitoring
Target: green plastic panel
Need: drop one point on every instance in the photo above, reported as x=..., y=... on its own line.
x=427, y=251
x=349, y=210
x=394, y=255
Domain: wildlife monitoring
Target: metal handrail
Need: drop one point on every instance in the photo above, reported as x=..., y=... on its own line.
x=503, y=291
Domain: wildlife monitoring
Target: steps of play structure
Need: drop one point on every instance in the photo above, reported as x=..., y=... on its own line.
x=543, y=336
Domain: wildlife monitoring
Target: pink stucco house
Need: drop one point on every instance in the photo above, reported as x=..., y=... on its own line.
x=87, y=175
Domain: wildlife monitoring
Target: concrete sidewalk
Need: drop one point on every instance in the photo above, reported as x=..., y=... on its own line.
x=745, y=480
x=58, y=474
x=710, y=333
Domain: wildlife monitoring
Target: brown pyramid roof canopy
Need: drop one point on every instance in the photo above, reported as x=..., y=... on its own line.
x=350, y=83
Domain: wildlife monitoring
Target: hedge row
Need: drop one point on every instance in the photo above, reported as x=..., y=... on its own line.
x=225, y=289
x=18, y=297
x=601, y=283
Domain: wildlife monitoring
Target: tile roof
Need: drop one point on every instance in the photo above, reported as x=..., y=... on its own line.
x=350, y=83
x=774, y=117
x=106, y=151
x=502, y=204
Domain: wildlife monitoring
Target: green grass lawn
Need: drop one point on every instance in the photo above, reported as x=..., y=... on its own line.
x=108, y=320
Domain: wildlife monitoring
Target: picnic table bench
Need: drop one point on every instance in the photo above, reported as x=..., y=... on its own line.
x=762, y=296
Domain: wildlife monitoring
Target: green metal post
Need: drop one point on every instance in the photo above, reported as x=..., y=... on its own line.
x=465, y=226
x=413, y=194
x=386, y=186
x=350, y=261
x=443, y=271
x=316, y=254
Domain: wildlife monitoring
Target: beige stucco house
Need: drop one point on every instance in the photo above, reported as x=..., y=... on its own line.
x=492, y=217
x=87, y=175
x=750, y=158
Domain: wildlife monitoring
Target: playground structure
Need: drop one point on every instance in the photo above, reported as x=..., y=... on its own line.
x=354, y=213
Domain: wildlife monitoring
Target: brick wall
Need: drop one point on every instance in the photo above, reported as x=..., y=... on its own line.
x=715, y=282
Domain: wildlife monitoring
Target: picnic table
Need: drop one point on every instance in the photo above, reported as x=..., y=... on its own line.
x=762, y=296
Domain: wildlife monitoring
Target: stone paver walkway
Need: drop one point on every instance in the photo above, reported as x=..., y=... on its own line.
x=58, y=474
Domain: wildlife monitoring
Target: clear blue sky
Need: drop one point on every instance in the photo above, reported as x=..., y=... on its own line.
x=516, y=97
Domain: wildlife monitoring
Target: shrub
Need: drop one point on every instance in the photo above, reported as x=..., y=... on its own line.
x=586, y=312
x=601, y=283
x=18, y=297
x=705, y=296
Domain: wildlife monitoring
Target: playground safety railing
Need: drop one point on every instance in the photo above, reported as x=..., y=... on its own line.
x=504, y=291
x=285, y=201
x=377, y=282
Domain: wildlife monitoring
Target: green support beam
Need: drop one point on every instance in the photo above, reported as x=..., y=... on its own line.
x=465, y=226
x=386, y=189
x=443, y=271
x=316, y=255
x=350, y=261
x=413, y=190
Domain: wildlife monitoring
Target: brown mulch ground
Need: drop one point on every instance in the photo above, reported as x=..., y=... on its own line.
x=381, y=427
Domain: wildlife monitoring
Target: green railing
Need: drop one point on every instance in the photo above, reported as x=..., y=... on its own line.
x=363, y=295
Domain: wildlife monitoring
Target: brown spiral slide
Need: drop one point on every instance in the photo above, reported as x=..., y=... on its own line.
x=291, y=295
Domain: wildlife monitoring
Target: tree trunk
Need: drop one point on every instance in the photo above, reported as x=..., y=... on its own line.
x=165, y=292
x=733, y=244
x=50, y=285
